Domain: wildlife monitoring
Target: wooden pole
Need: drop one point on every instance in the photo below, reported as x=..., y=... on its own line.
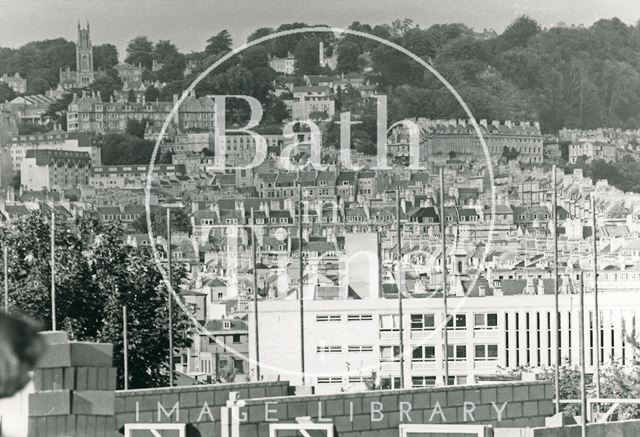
x=300, y=286
x=170, y=276
x=400, y=284
x=5, y=252
x=255, y=293
x=583, y=389
x=125, y=338
x=595, y=295
x=54, y=324
x=556, y=331
x=443, y=229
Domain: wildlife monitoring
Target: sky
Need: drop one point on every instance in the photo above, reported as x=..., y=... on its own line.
x=188, y=23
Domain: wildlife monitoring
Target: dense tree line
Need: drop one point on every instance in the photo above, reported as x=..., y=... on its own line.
x=623, y=174
x=96, y=274
x=576, y=76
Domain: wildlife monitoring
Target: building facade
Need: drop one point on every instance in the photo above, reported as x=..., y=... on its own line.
x=53, y=170
x=311, y=102
x=88, y=113
x=15, y=82
x=458, y=139
x=121, y=176
x=348, y=341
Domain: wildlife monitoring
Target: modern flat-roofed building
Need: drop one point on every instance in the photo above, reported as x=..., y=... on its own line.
x=503, y=326
x=53, y=170
x=121, y=176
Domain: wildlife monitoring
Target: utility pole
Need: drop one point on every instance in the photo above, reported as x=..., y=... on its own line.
x=125, y=339
x=556, y=363
x=583, y=390
x=5, y=252
x=54, y=324
x=400, y=284
x=443, y=229
x=300, y=286
x=595, y=294
x=255, y=294
x=169, y=275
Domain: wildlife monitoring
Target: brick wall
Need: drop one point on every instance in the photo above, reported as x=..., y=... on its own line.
x=366, y=414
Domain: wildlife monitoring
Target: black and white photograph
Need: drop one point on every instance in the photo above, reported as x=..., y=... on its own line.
x=304, y=218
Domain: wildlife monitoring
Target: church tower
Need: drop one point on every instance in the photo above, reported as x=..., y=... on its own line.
x=84, y=57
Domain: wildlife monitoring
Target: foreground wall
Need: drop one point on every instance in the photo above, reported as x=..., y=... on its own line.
x=629, y=428
x=366, y=414
x=198, y=404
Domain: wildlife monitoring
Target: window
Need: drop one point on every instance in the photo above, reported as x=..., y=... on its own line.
x=422, y=354
x=389, y=322
x=328, y=318
x=387, y=383
x=389, y=354
x=360, y=348
x=457, y=321
x=423, y=381
x=423, y=322
x=456, y=352
x=486, y=321
x=486, y=352
x=236, y=338
x=357, y=379
x=328, y=349
x=330, y=380
x=359, y=317
x=226, y=324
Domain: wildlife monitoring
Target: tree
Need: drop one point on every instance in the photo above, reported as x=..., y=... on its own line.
x=307, y=56
x=518, y=33
x=151, y=94
x=259, y=33
x=166, y=157
x=140, y=51
x=510, y=153
x=6, y=93
x=173, y=62
x=348, y=53
x=57, y=111
x=179, y=222
x=219, y=43
x=105, y=56
x=106, y=84
x=131, y=96
x=97, y=273
x=16, y=181
x=26, y=128
x=136, y=128
x=278, y=111
x=122, y=149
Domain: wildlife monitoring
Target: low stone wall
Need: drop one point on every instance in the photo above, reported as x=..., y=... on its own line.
x=197, y=404
x=74, y=385
x=366, y=414
x=378, y=413
x=628, y=428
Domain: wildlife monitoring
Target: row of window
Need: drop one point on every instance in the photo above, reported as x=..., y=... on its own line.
x=426, y=322
x=427, y=353
x=389, y=383
x=338, y=317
